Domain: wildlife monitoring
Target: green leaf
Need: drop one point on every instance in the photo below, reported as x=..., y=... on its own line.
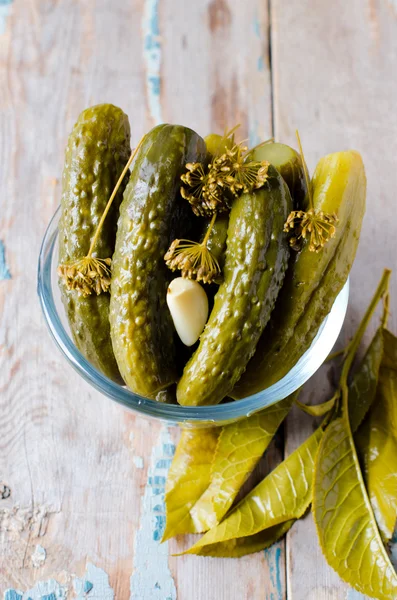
x=317, y=410
x=284, y=495
x=362, y=389
x=240, y=446
x=188, y=477
x=377, y=443
x=346, y=526
x=238, y=547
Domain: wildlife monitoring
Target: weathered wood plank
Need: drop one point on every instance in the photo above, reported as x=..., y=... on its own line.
x=334, y=78
x=65, y=452
x=87, y=478
x=208, y=87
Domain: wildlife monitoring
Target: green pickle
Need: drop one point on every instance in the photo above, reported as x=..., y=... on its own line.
x=255, y=263
x=289, y=163
x=218, y=236
x=150, y=218
x=313, y=280
x=216, y=144
x=97, y=151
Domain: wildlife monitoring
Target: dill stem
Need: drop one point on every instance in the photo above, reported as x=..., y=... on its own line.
x=305, y=171
x=381, y=292
x=109, y=204
x=211, y=225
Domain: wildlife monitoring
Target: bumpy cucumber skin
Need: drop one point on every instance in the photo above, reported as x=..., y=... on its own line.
x=97, y=151
x=313, y=280
x=292, y=172
x=218, y=235
x=256, y=259
x=150, y=218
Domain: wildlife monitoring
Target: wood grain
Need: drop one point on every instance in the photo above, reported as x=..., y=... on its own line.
x=86, y=476
x=334, y=79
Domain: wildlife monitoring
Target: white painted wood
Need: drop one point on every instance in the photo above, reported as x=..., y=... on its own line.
x=334, y=67
x=85, y=476
x=78, y=466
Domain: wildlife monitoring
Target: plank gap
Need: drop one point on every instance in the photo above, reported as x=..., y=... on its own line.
x=270, y=59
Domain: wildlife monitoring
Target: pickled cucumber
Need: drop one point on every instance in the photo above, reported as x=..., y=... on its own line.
x=217, y=144
x=97, y=151
x=289, y=163
x=218, y=235
x=313, y=280
x=150, y=218
x=256, y=259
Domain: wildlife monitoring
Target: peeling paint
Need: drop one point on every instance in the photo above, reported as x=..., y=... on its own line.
x=152, y=58
x=42, y=590
x=94, y=584
x=87, y=587
x=138, y=461
x=354, y=595
x=12, y=595
x=5, y=7
x=152, y=578
x=39, y=556
x=4, y=270
x=273, y=558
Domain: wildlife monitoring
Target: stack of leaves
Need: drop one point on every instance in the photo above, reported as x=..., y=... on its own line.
x=346, y=470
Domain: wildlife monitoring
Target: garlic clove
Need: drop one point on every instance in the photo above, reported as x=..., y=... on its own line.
x=188, y=304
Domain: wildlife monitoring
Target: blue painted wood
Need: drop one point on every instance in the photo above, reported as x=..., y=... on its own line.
x=87, y=587
x=273, y=557
x=12, y=595
x=152, y=58
x=4, y=270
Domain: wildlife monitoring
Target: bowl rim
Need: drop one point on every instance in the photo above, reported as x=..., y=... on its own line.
x=171, y=413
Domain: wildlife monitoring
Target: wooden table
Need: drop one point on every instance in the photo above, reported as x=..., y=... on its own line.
x=83, y=480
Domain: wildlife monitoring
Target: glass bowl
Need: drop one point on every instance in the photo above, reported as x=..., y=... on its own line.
x=221, y=414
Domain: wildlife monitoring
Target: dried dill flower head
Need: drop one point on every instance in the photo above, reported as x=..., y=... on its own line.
x=317, y=227
x=193, y=259
x=90, y=275
x=239, y=174
x=203, y=190
x=86, y=275
x=212, y=189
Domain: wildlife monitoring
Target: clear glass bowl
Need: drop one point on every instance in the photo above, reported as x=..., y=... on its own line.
x=55, y=317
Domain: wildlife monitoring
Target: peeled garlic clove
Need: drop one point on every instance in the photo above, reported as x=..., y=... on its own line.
x=188, y=304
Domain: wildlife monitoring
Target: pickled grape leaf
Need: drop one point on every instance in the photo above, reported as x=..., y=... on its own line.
x=188, y=477
x=317, y=410
x=362, y=389
x=238, y=547
x=239, y=448
x=346, y=526
x=283, y=496
x=286, y=493
x=377, y=443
